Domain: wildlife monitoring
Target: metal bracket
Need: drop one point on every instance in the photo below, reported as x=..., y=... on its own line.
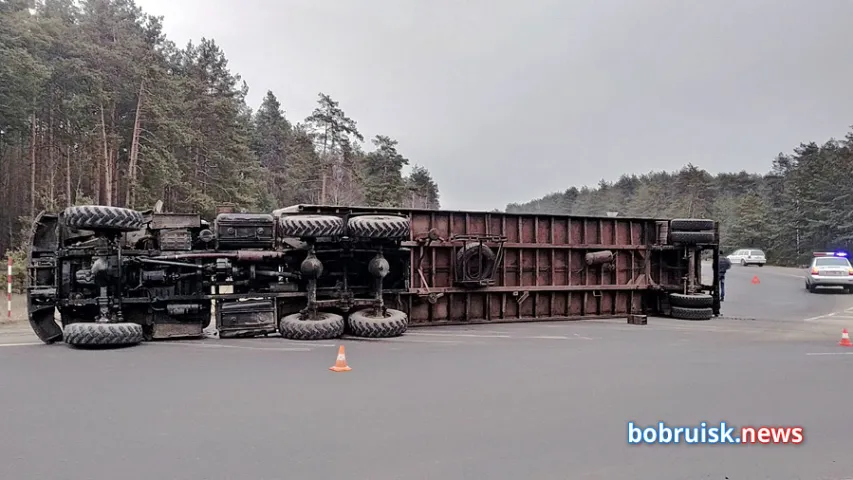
x=461, y=271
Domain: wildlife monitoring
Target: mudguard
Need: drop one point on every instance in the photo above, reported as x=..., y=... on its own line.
x=41, y=278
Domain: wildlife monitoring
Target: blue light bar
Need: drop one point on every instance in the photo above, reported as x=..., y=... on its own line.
x=840, y=254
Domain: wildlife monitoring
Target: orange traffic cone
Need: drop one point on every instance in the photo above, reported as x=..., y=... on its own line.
x=341, y=362
x=755, y=280
x=845, y=339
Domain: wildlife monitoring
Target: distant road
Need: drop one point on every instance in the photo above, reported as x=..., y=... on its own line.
x=780, y=295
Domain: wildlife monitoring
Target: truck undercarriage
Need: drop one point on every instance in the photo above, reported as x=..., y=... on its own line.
x=118, y=276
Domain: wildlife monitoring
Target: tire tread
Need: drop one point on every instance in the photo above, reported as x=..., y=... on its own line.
x=362, y=323
x=691, y=224
x=302, y=226
x=698, y=300
x=102, y=217
x=293, y=327
x=686, y=313
x=89, y=333
x=691, y=237
x=379, y=226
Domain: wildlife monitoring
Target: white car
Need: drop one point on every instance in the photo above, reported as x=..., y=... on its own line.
x=747, y=256
x=830, y=269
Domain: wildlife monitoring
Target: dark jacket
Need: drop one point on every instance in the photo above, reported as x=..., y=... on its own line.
x=724, y=265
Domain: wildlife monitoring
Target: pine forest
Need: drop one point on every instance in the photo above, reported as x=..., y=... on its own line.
x=98, y=106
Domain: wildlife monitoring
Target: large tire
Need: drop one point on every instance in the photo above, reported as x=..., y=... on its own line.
x=379, y=226
x=698, y=300
x=469, y=255
x=101, y=217
x=692, y=313
x=327, y=326
x=302, y=226
x=691, y=237
x=363, y=323
x=691, y=224
x=91, y=334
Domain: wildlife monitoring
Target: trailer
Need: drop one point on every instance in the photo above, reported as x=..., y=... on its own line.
x=118, y=276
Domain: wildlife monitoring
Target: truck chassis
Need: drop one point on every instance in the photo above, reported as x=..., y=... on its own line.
x=118, y=276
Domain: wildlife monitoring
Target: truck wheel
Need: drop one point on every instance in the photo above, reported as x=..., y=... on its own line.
x=101, y=217
x=365, y=323
x=302, y=226
x=468, y=261
x=690, y=224
x=89, y=334
x=697, y=300
x=686, y=313
x=691, y=237
x=378, y=226
x=326, y=326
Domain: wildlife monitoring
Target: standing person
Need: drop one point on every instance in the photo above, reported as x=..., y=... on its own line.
x=723, y=265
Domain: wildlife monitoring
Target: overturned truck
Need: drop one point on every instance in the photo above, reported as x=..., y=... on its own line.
x=118, y=276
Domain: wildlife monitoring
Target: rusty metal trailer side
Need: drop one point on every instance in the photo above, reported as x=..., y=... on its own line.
x=540, y=269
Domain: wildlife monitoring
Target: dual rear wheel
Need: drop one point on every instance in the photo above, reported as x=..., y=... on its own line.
x=363, y=323
x=697, y=306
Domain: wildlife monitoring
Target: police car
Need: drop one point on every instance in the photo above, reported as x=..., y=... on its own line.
x=830, y=269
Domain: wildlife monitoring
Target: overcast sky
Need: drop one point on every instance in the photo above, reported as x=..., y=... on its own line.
x=507, y=101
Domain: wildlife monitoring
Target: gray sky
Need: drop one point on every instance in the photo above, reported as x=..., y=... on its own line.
x=507, y=101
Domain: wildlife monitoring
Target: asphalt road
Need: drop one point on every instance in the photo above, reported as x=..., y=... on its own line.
x=544, y=401
x=779, y=295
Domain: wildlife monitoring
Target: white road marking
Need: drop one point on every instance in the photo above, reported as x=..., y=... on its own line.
x=828, y=315
x=311, y=344
x=786, y=275
x=425, y=341
x=830, y=353
x=242, y=347
x=560, y=337
x=28, y=344
x=404, y=339
x=471, y=335
x=460, y=331
x=517, y=337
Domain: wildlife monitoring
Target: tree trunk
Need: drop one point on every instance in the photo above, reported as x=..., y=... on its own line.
x=96, y=165
x=114, y=147
x=108, y=180
x=134, y=152
x=33, y=167
x=51, y=198
x=68, y=200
